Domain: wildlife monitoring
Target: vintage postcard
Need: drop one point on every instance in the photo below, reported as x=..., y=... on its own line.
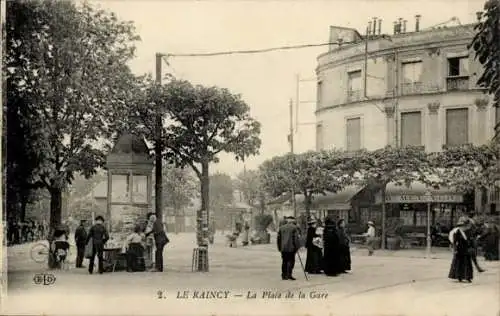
x=249, y=157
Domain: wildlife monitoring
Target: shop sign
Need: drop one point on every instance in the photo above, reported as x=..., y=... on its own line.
x=438, y=198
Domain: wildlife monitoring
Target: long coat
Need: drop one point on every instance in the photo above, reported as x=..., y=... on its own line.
x=288, y=238
x=461, y=265
x=314, y=261
x=331, y=262
x=344, y=250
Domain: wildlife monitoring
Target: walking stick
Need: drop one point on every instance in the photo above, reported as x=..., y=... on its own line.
x=302, y=265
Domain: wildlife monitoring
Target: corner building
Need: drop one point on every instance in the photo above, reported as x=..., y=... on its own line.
x=410, y=88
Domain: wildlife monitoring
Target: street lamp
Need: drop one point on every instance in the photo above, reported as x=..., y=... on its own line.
x=428, y=199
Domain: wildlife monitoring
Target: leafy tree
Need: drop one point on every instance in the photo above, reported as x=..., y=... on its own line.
x=308, y=174
x=202, y=122
x=468, y=167
x=20, y=160
x=486, y=44
x=180, y=186
x=250, y=185
x=401, y=166
x=68, y=64
x=221, y=191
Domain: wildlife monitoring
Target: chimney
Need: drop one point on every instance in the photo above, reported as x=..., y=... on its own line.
x=395, y=29
x=479, y=15
x=374, y=26
x=379, y=26
x=417, y=22
x=369, y=29
x=404, y=26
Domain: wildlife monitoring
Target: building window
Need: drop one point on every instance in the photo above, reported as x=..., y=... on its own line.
x=458, y=73
x=457, y=126
x=412, y=77
x=353, y=134
x=319, y=94
x=120, y=188
x=411, y=129
x=420, y=218
x=140, y=189
x=319, y=137
x=355, y=89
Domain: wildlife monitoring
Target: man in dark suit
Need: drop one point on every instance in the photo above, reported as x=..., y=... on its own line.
x=80, y=239
x=161, y=240
x=288, y=244
x=99, y=236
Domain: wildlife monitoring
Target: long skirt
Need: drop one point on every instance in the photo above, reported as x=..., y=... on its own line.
x=314, y=260
x=461, y=267
x=345, y=258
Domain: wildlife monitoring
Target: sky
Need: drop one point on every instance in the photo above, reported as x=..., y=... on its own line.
x=267, y=81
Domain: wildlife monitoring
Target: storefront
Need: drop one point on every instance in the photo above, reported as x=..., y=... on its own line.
x=411, y=205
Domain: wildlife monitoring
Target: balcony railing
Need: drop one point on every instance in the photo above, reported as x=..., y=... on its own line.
x=354, y=95
x=418, y=88
x=458, y=83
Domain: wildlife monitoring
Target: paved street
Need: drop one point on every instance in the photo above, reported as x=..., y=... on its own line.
x=387, y=283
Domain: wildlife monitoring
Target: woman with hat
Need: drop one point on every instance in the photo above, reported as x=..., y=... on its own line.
x=331, y=263
x=461, y=239
x=314, y=246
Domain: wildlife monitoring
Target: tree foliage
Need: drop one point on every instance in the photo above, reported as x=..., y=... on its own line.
x=221, y=191
x=200, y=123
x=402, y=165
x=68, y=66
x=250, y=185
x=486, y=44
x=180, y=187
x=468, y=167
x=307, y=173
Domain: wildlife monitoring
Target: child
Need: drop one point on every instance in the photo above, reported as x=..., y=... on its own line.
x=60, y=248
x=135, y=250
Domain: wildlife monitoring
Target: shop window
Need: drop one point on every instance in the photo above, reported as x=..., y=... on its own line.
x=407, y=217
x=421, y=218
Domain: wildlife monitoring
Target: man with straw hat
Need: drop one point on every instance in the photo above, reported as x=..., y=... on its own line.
x=370, y=237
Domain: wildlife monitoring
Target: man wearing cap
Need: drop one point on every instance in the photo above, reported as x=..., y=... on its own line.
x=99, y=236
x=370, y=237
x=288, y=244
x=80, y=239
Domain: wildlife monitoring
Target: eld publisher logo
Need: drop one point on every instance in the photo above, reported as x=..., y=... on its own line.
x=44, y=279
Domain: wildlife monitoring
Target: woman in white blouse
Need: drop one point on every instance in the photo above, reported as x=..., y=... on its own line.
x=134, y=245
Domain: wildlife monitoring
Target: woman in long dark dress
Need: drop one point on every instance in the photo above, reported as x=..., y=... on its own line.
x=345, y=252
x=314, y=250
x=461, y=266
x=331, y=257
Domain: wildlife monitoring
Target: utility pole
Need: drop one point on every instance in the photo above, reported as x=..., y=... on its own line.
x=158, y=147
x=290, y=140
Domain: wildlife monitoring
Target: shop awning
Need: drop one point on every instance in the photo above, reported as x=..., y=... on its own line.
x=418, y=192
x=331, y=201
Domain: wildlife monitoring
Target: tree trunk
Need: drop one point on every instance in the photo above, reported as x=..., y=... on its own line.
x=203, y=213
x=55, y=217
x=55, y=207
x=24, y=203
x=383, y=216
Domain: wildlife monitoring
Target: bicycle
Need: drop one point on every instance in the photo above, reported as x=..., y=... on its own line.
x=40, y=253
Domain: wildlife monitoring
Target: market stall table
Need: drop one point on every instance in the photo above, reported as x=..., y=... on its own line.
x=114, y=256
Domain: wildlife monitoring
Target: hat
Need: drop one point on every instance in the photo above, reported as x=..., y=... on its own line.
x=312, y=221
x=290, y=217
x=99, y=218
x=463, y=221
x=371, y=223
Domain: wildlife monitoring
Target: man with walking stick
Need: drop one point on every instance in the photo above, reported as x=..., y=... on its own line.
x=288, y=244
